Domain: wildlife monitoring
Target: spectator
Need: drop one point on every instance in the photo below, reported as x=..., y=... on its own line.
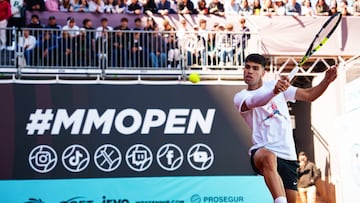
x=268, y=9
x=356, y=8
x=110, y=6
x=35, y=5
x=321, y=8
x=256, y=8
x=216, y=8
x=26, y=45
x=186, y=7
x=81, y=6
x=43, y=54
x=55, y=28
x=293, y=8
x=104, y=26
x=307, y=9
x=232, y=7
x=66, y=6
x=16, y=20
x=168, y=29
x=157, y=49
x=5, y=14
x=204, y=34
x=181, y=34
x=134, y=7
x=52, y=5
x=173, y=52
x=71, y=27
x=136, y=51
x=84, y=49
x=35, y=26
x=104, y=49
x=64, y=50
x=138, y=24
x=280, y=8
x=195, y=46
x=149, y=7
x=344, y=8
x=96, y=6
x=173, y=5
x=227, y=44
x=202, y=8
x=121, y=6
x=89, y=39
x=242, y=41
x=212, y=49
x=245, y=8
x=120, y=43
x=164, y=8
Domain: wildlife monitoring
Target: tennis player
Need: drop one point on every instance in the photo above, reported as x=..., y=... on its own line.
x=263, y=106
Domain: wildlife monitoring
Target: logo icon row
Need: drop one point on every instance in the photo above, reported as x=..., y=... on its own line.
x=108, y=157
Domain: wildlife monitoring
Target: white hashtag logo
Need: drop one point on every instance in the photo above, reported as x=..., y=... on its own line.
x=39, y=121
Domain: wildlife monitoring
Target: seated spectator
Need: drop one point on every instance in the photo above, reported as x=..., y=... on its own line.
x=242, y=41
x=137, y=57
x=268, y=9
x=333, y=10
x=121, y=6
x=280, y=9
x=202, y=8
x=110, y=6
x=293, y=8
x=35, y=26
x=256, y=7
x=216, y=8
x=71, y=28
x=84, y=49
x=194, y=46
x=35, y=5
x=173, y=52
x=227, y=44
x=321, y=8
x=157, y=49
x=52, y=5
x=149, y=7
x=26, y=44
x=66, y=6
x=356, y=8
x=164, y=8
x=52, y=24
x=232, y=7
x=104, y=51
x=307, y=9
x=81, y=6
x=96, y=6
x=138, y=24
x=134, y=7
x=150, y=24
x=120, y=44
x=43, y=54
x=186, y=7
x=89, y=39
x=64, y=50
x=212, y=55
x=104, y=26
x=344, y=8
x=245, y=8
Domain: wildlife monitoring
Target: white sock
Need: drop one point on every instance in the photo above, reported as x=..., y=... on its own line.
x=280, y=200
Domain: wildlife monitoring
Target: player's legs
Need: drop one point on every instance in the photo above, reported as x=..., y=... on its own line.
x=291, y=195
x=265, y=162
x=287, y=170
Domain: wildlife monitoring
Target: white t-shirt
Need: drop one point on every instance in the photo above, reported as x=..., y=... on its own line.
x=271, y=123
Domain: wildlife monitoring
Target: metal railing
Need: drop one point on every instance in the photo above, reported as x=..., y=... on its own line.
x=124, y=53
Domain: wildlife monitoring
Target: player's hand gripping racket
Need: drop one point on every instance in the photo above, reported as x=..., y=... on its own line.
x=320, y=39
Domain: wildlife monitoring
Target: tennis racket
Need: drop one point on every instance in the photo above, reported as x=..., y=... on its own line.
x=320, y=39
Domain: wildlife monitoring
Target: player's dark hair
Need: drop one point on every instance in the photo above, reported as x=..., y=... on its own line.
x=256, y=58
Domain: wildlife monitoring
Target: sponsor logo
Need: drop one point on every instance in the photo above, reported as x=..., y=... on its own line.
x=216, y=199
x=126, y=122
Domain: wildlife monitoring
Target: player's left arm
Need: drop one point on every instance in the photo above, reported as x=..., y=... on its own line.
x=311, y=94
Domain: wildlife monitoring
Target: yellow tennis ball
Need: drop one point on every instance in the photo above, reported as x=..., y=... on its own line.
x=194, y=77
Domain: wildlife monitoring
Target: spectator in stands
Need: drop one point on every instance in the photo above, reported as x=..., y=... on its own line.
x=66, y=6
x=16, y=20
x=203, y=32
x=136, y=50
x=120, y=43
x=109, y=6
x=202, y=8
x=26, y=44
x=35, y=5
x=104, y=25
x=168, y=29
x=216, y=8
x=232, y=7
x=333, y=10
x=135, y=8
x=194, y=46
x=268, y=9
x=227, y=44
x=96, y=6
x=356, y=8
x=164, y=8
x=181, y=34
x=244, y=37
x=307, y=9
x=121, y=6
x=344, y=8
x=173, y=5
x=173, y=52
x=81, y=6
x=293, y=8
x=52, y=5
x=52, y=24
x=245, y=8
x=186, y=7
x=149, y=7
x=83, y=49
x=256, y=7
x=104, y=49
x=64, y=50
x=212, y=55
x=89, y=40
x=35, y=26
x=71, y=27
x=280, y=9
x=5, y=14
x=321, y=8
x=157, y=49
x=138, y=24
x=43, y=53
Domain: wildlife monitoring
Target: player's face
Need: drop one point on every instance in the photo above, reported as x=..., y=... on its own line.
x=253, y=73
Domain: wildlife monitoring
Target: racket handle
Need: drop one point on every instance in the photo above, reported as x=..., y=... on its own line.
x=293, y=72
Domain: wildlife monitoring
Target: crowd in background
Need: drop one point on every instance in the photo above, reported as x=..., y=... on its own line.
x=207, y=48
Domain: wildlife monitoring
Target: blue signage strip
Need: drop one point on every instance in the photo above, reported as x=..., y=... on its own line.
x=186, y=189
